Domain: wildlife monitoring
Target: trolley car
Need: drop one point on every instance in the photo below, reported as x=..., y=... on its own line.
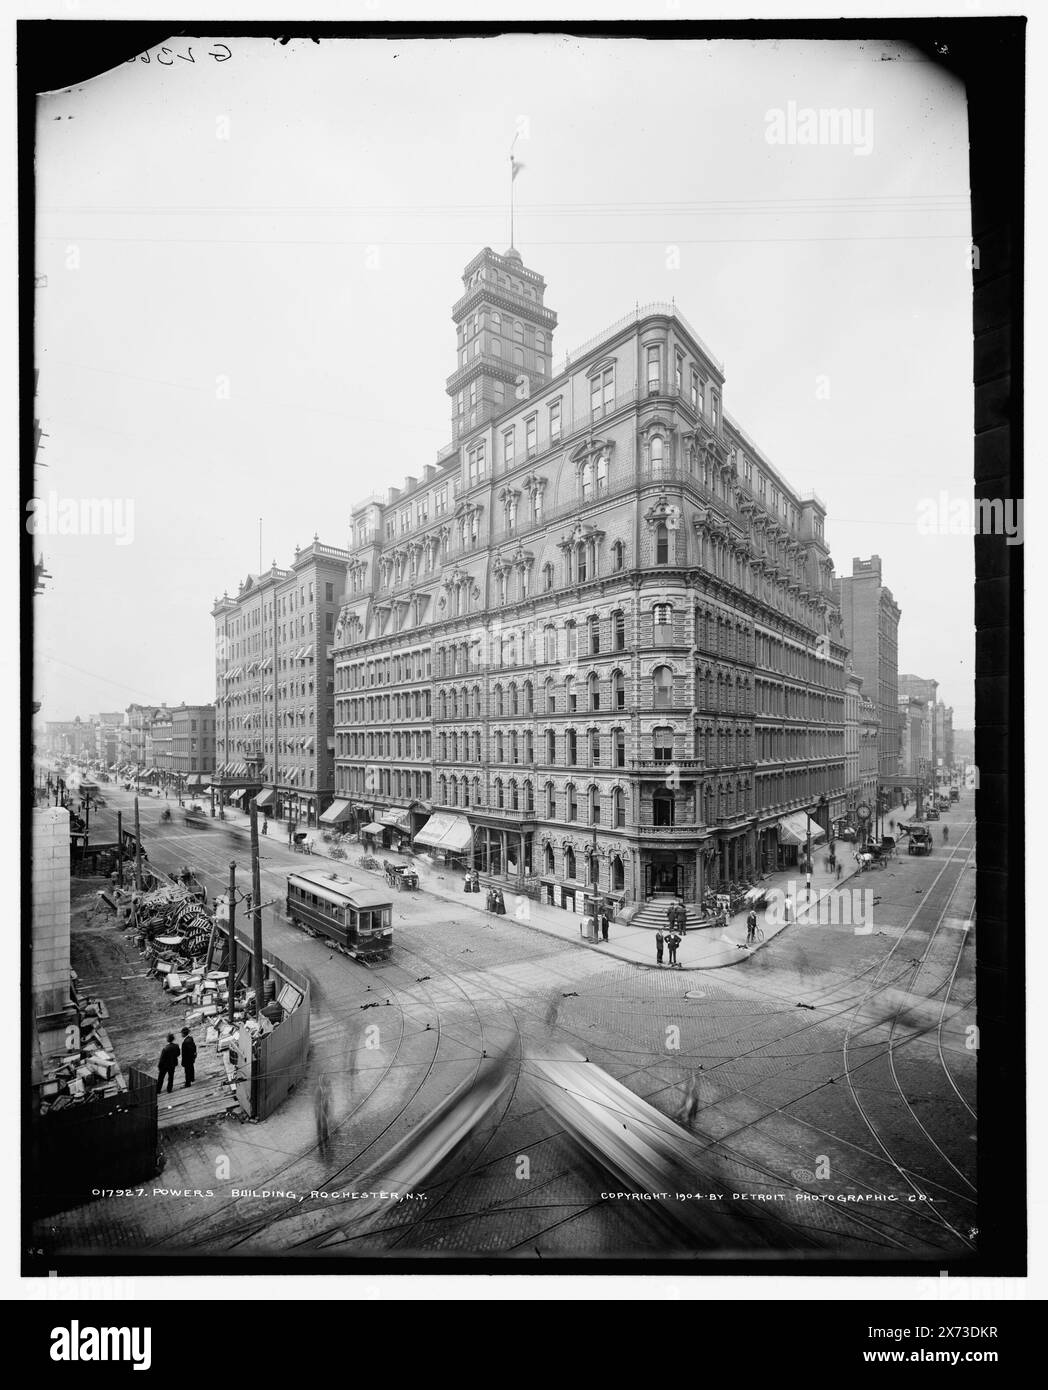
x=358, y=920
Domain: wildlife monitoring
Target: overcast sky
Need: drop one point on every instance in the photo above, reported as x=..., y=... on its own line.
x=251, y=266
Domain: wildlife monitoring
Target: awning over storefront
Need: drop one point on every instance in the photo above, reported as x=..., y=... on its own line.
x=373, y=829
x=235, y=796
x=265, y=798
x=793, y=830
x=396, y=820
x=444, y=830
x=336, y=812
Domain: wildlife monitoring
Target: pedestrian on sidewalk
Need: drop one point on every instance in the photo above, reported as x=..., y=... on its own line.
x=671, y=917
x=788, y=909
x=265, y=825
x=658, y=947
x=604, y=925
x=838, y=872
x=673, y=941
x=681, y=924
x=189, y=1051
x=168, y=1063
x=751, y=927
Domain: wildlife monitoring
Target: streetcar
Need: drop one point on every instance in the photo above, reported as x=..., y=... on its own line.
x=358, y=920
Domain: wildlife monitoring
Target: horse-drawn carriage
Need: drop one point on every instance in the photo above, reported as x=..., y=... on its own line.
x=400, y=876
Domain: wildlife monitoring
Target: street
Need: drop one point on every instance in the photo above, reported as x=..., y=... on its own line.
x=834, y=1075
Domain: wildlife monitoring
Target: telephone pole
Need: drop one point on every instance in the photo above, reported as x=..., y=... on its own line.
x=120, y=849
x=138, y=850
x=232, y=961
x=256, y=914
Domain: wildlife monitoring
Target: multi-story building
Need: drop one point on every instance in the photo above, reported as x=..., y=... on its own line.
x=918, y=690
x=70, y=738
x=193, y=745
x=915, y=748
x=852, y=738
x=943, y=738
x=871, y=630
x=163, y=745
x=274, y=716
x=136, y=736
x=869, y=751
x=598, y=641
x=107, y=737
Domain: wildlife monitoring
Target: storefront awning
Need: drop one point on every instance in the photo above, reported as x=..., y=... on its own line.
x=793, y=830
x=264, y=798
x=444, y=830
x=235, y=796
x=373, y=829
x=396, y=820
x=336, y=812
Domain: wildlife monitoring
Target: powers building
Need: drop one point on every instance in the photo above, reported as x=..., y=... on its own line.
x=596, y=645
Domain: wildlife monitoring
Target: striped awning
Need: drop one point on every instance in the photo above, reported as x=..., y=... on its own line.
x=444, y=830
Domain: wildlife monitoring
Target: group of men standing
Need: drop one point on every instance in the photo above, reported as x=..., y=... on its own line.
x=169, y=1059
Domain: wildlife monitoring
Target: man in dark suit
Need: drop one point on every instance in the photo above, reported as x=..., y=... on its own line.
x=168, y=1063
x=188, y=1057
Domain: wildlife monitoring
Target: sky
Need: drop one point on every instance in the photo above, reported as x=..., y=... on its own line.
x=250, y=266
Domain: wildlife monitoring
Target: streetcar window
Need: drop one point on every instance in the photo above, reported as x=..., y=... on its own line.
x=365, y=921
x=387, y=916
x=352, y=912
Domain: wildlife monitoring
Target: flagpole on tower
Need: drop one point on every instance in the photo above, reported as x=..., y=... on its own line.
x=514, y=169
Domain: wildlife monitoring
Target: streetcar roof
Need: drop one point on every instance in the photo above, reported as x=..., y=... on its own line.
x=338, y=889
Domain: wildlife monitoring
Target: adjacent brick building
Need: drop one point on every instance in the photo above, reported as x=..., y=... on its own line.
x=871, y=631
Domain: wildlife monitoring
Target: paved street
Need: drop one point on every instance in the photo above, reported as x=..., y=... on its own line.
x=831, y=1063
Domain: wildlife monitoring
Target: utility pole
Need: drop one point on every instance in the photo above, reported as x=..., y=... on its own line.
x=256, y=918
x=120, y=849
x=138, y=850
x=232, y=935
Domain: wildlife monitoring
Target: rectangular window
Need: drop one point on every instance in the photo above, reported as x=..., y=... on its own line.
x=554, y=421
x=440, y=500
x=654, y=371
x=531, y=434
x=678, y=374
x=405, y=520
x=602, y=391
x=696, y=392
x=329, y=593
x=422, y=511
x=509, y=445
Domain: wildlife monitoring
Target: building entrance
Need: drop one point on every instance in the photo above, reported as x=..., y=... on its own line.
x=663, y=874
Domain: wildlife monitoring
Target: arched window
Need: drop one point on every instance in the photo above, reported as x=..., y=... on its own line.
x=572, y=803
x=551, y=696
x=454, y=791
x=662, y=624
x=518, y=331
x=618, y=743
x=662, y=687
x=619, y=807
x=513, y=698
x=476, y=747
x=571, y=633
x=593, y=627
x=550, y=643
x=586, y=481
x=529, y=698
x=618, y=631
x=662, y=544
x=495, y=321
x=657, y=456
x=618, y=690
x=594, y=805
x=551, y=801
x=571, y=699
x=618, y=555
x=500, y=796
x=514, y=796
x=572, y=747
x=569, y=863
x=529, y=797
x=593, y=690
x=442, y=789
x=551, y=747
x=547, y=861
x=499, y=701
x=476, y=791
x=547, y=576
x=618, y=875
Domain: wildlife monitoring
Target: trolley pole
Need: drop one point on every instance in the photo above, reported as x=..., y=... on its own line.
x=256, y=914
x=232, y=954
x=120, y=849
x=138, y=850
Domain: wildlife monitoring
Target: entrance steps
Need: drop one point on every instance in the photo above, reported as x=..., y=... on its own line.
x=652, y=914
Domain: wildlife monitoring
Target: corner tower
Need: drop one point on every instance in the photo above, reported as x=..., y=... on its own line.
x=505, y=338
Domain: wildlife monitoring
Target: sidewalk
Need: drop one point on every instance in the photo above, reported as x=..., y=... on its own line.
x=709, y=948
